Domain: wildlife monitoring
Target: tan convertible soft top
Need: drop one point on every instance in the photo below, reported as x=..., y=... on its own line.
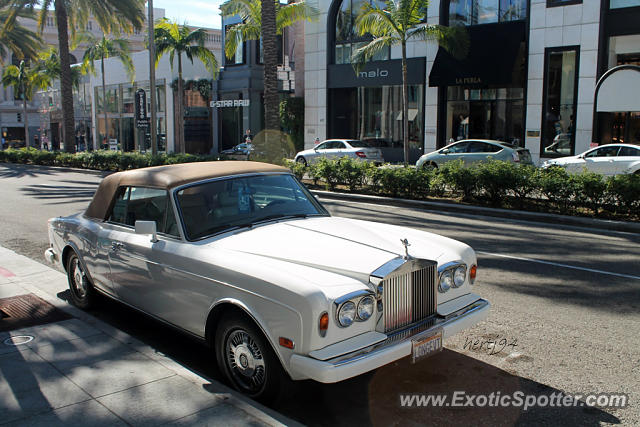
x=168, y=177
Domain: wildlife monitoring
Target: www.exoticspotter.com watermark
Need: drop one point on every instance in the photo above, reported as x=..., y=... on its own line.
x=519, y=399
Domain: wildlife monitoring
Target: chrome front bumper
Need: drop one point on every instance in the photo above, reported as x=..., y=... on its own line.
x=396, y=346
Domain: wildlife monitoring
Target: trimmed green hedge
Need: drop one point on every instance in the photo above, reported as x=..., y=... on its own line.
x=494, y=183
x=99, y=160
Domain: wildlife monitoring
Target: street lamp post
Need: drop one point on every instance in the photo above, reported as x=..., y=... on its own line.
x=152, y=81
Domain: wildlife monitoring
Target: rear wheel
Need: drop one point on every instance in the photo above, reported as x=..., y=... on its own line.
x=302, y=160
x=82, y=293
x=247, y=359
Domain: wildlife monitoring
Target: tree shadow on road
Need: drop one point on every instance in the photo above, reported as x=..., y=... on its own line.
x=374, y=399
x=60, y=194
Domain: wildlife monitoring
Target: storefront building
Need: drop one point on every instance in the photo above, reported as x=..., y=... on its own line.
x=238, y=103
x=529, y=77
x=119, y=131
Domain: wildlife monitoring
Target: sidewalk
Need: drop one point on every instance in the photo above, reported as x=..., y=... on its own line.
x=82, y=371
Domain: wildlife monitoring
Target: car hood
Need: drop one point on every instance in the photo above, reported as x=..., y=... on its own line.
x=342, y=246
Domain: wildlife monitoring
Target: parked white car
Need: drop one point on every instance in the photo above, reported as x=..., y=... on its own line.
x=610, y=159
x=241, y=256
x=336, y=148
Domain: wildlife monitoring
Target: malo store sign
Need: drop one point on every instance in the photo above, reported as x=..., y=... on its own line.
x=377, y=73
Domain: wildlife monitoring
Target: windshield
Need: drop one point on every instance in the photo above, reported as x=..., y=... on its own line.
x=222, y=205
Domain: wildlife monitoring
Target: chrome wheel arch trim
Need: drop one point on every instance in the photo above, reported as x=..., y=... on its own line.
x=242, y=306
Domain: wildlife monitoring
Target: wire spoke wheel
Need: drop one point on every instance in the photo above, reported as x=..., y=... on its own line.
x=78, y=279
x=245, y=360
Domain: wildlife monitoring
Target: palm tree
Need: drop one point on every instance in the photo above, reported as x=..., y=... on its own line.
x=25, y=79
x=15, y=38
x=99, y=49
x=177, y=39
x=49, y=63
x=396, y=23
x=265, y=19
x=111, y=15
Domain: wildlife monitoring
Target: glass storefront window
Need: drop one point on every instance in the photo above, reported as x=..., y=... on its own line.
x=619, y=4
x=474, y=12
x=347, y=39
x=560, y=98
x=379, y=116
x=128, y=99
x=485, y=114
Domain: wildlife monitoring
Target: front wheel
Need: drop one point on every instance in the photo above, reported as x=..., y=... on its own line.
x=302, y=161
x=247, y=359
x=82, y=293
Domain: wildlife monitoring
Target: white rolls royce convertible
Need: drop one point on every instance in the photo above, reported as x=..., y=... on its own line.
x=243, y=257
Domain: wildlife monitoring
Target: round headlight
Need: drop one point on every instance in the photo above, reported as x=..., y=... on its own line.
x=446, y=280
x=459, y=276
x=365, y=308
x=347, y=313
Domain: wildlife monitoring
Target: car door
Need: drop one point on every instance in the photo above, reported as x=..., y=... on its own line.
x=319, y=150
x=454, y=152
x=601, y=160
x=138, y=265
x=339, y=149
x=477, y=151
x=627, y=157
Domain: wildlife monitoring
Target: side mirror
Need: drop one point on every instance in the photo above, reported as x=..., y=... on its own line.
x=147, y=227
x=445, y=151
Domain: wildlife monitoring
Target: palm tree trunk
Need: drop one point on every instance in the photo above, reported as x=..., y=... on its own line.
x=65, y=77
x=271, y=100
x=405, y=104
x=180, y=106
x=26, y=119
x=104, y=101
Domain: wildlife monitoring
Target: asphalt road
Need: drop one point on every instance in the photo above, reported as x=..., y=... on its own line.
x=566, y=300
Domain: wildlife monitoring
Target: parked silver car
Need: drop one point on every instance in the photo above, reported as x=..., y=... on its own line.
x=476, y=150
x=336, y=148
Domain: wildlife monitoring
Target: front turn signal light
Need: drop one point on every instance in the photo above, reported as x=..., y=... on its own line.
x=323, y=324
x=472, y=273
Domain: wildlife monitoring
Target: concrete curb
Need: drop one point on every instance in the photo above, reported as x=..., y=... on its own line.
x=624, y=226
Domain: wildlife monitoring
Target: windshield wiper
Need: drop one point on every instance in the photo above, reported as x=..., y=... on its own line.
x=279, y=216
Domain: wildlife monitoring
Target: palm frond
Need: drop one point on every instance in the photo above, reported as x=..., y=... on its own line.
x=368, y=51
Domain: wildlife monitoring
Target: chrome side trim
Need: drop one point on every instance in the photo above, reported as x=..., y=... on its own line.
x=414, y=331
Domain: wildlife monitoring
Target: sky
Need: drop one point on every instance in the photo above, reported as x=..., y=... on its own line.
x=198, y=13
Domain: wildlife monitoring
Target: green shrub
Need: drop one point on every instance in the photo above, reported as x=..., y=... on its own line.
x=328, y=170
x=590, y=190
x=352, y=172
x=299, y=169
x=625, y=192
x=496, y=179
x=460, y=179
x=556, y=185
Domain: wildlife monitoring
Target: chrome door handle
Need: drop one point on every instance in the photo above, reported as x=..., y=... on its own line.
x=116, y=246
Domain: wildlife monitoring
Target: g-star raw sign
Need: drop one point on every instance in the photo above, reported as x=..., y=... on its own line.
x=230, y=103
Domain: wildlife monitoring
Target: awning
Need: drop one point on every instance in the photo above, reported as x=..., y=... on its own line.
x=618, y=90
x=493, y=50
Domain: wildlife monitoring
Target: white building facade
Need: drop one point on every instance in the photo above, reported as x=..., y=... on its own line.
x=529, y=77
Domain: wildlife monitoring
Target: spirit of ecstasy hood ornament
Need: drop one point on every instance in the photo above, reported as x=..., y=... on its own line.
x=406, y=244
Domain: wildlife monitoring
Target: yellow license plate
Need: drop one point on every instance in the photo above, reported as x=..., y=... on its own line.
x=425, y=347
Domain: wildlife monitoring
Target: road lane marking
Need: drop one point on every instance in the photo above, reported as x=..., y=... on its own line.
x=556, y=264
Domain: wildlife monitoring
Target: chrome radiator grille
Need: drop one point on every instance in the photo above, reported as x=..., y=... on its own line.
x=408, y=298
